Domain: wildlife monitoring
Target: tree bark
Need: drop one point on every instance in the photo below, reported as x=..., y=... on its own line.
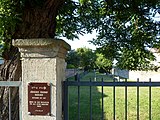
x=37, y=22
x=10, y=71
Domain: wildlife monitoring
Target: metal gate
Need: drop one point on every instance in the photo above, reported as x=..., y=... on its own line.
x=137, y=84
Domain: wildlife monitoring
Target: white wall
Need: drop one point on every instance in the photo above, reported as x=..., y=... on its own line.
x=133, y=75
x=144, y=75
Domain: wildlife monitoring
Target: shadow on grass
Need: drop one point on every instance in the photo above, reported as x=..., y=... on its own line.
x=96, y=107
x=90, y=105
x=90, y=101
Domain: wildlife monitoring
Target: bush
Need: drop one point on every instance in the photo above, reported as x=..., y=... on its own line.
x=70, y=66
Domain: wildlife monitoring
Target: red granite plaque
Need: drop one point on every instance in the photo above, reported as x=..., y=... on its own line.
x=39, y=98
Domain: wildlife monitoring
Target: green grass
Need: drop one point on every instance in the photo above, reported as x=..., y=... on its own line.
x=108, y=102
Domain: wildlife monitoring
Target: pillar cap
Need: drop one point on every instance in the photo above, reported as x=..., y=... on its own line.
x=39, y=42
x=42, y=47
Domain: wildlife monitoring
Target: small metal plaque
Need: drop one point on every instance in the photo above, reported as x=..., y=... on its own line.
x=39, y=98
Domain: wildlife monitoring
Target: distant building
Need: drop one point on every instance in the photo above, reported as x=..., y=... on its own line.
x=142, y=75
x=134, y=75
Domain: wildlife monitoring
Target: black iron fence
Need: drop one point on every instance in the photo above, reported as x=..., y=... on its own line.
x=125, y=84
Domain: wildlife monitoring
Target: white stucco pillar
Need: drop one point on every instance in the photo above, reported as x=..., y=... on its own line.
x=43, y=63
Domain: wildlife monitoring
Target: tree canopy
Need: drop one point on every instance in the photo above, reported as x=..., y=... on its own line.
x=83, y=58
x=126, y=29
x=128, y=32
x=103, y=64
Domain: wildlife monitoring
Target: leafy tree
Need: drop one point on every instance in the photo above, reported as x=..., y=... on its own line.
x=35, y=19
x=73, y=59
x=52, y=18
x=127, y=31
x=83, y=58
x=104, y=64
x=87, y=58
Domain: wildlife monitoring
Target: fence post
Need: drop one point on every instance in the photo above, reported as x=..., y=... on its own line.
x=76, y=77
x=43, y=70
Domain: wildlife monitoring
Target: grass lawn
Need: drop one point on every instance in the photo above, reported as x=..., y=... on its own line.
x=108, y=101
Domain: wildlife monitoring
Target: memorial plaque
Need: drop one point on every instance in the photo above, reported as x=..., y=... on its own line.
x=39, y=98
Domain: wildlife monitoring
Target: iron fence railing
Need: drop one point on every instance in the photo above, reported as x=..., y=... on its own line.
x=13, y=84
x=114, y=84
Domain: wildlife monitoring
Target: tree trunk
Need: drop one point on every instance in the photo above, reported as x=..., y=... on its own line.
x=38, y=21
x=10, y=71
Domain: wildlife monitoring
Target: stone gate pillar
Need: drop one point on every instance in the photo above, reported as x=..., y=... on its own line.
x=43, y=70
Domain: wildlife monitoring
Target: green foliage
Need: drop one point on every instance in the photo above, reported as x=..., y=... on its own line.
x=70, y=66
x=83, y=1
x=122, y=26
x=78, y=18
x=9, y=17
x=103, y=63
x=127, y=31
x=136, y=57
x=81, y=58
x=87, y=58
x=73, y=60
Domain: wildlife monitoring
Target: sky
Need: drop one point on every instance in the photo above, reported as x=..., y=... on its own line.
x=157, y=17
x=82, y=41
